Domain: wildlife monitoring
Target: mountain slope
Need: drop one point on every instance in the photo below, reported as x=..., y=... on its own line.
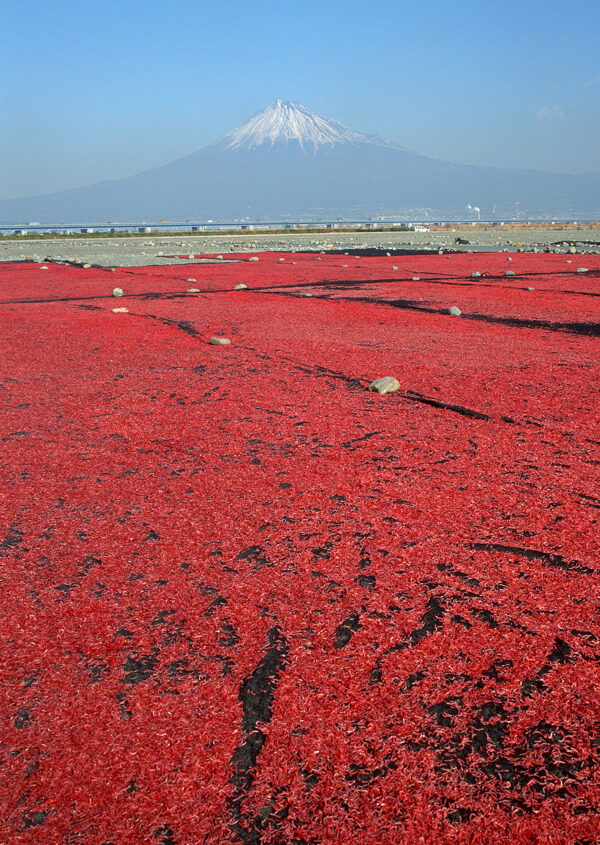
x=288, y=163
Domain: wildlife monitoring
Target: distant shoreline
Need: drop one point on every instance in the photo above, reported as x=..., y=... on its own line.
x=156, y=230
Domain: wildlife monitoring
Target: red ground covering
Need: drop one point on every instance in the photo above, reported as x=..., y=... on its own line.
x=245, y=600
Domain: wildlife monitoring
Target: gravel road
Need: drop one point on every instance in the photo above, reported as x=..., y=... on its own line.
x=162, y=249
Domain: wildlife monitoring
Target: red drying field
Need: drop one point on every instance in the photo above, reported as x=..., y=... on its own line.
x=245, y=600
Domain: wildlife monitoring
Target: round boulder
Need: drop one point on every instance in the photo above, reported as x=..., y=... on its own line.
x=385, y=384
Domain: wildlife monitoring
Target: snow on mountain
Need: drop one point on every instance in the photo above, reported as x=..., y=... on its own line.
x=283, y=121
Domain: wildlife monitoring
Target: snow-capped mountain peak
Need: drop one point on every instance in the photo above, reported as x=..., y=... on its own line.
x=283, y=121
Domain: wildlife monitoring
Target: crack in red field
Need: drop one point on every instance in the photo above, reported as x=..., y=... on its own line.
x=256, y=695
x=557, y=561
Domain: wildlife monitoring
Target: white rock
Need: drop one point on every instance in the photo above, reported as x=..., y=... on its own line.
x=476, y=275
x=220, y=341
x=582, y=270
x=394, y=267
x=86, y=266
x=281, y=259
x=529, y=288
x=307, y=294
x=573, y=250
x=117, y=291
x=241, y=287
x=509, y=258
x=455, y=311
x=43, y=267
x=191, y=280
x=193, y=290
x=510, y=273
x=416, y=278
x=120, y=310
x=254, y=258
x=385, y=384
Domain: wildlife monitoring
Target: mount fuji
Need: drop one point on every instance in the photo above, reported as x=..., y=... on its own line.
x=287, y=163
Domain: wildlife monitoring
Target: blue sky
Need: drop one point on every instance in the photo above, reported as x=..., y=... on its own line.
x=96, y=90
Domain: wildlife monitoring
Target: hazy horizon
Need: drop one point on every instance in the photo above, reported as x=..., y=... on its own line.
x=99, y=92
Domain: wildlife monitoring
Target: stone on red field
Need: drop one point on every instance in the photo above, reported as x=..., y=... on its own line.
x=385, y=384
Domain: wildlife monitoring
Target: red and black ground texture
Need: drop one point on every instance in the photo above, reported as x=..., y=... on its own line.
x=245, y=600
